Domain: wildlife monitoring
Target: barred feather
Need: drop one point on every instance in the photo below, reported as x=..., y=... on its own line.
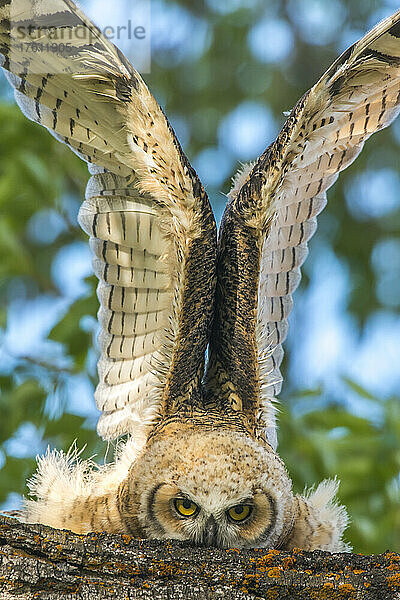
x=145, y=210
x=358, y=95
x=274, y=205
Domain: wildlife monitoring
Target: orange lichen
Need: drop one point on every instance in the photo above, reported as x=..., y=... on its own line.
x=346, y=587
x=394, y=580
x=258, y=572
x=288, y=562
x=126, y=538
x=275, y=572
x=392, y=556
x=268, y=559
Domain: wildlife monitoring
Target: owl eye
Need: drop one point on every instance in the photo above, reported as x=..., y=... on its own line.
x=239, y=513
x=185, y=507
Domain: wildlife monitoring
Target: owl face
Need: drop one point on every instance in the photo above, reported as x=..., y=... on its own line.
x=216, y=489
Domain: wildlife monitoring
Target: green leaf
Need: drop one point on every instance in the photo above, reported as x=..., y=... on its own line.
x=356, y=387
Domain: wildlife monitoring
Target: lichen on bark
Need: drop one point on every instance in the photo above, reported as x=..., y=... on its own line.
x=41, y=562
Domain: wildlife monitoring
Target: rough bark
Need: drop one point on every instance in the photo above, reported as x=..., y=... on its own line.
x=45, y=563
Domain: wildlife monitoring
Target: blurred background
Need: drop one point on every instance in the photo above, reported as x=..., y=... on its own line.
x=224, y=72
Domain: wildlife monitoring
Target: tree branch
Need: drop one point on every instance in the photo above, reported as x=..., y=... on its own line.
x=41, y=562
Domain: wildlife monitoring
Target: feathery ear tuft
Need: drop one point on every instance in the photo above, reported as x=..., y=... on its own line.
x=319, y=520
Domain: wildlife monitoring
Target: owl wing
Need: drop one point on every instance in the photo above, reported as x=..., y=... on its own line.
x=152, y=232
x=272, y=214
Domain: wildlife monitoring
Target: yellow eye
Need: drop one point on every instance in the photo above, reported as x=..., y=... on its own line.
x=240, y=512
x=185, y=507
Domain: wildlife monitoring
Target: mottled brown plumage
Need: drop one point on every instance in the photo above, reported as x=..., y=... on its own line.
x=200, y=461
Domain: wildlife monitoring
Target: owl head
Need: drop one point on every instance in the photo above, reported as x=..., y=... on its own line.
x=222, y=488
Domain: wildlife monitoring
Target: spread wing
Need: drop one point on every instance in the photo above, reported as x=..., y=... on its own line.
x=151, y=228
x=272, y=215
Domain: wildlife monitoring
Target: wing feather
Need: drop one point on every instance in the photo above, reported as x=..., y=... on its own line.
x=151, y=229
x=273, y=210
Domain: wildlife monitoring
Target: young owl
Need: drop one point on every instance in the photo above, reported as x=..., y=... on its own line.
x=200, y=460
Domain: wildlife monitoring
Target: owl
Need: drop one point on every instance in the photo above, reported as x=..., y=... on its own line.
x=198, y=460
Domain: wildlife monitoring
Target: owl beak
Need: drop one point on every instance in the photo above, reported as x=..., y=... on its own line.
x=209, y=534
